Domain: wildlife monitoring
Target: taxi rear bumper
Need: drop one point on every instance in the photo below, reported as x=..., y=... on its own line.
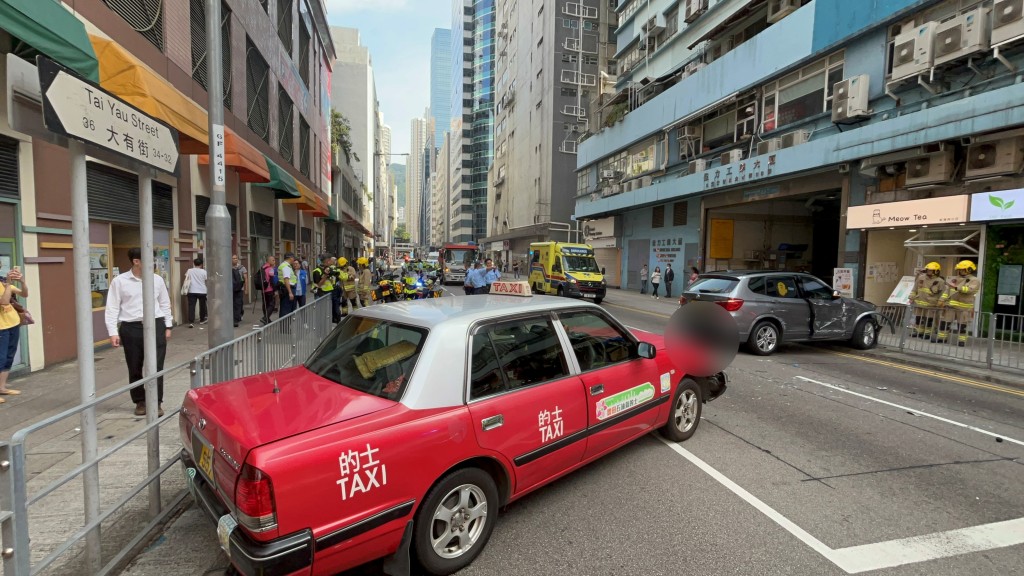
x=284, y=555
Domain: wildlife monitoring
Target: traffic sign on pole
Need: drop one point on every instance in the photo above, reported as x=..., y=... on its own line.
x=80, y=109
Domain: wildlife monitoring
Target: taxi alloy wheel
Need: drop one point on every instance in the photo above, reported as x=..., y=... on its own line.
x=685, y=412
x=455, y=521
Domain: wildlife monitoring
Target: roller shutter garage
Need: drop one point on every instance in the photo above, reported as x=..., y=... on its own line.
x=114, y=197
x=608, y=258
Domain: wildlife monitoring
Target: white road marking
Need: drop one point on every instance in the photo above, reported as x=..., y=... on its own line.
x=930, y=546
x=914, y=410
x=867, y=557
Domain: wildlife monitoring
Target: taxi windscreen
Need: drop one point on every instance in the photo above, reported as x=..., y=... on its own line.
x=369, y=355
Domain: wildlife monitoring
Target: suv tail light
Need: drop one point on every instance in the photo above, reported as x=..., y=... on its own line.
x=254, y=499
x=732, y=304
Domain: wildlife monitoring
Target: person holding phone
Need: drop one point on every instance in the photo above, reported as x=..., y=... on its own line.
x=10, y=328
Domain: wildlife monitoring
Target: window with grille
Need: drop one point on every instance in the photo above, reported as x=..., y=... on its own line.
x=680, y=211
x=145, y=16
x=256, y=91
x=284, y=23
x=285, y=125
x=304, y=147
x=658, y=217
x=304, y=54
x=200, y=71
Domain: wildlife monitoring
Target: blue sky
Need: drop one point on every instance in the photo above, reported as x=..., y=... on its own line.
x=397, y=32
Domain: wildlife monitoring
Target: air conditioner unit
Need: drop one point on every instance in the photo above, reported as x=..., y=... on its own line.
x=732, y=156
x=850, y=99
x=607, y=174
x=779, y=9
x=655, y=25
x=935, y=168
x=694, y=8
x=698, y=165
x=795, y=138
x=616, y=188
x=1007, y=21
x=997, y=158
x=768, y=146
x=914, y=51
x=690, y=131
x=962, y=36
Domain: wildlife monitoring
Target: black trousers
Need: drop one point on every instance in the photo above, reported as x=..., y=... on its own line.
x=192, y=299
x=668, y=288
x=269, y=306
x=238, y=305
x=135, y=353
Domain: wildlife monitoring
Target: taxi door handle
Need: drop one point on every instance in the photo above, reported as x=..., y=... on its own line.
x=597, y=389
x=492, y=422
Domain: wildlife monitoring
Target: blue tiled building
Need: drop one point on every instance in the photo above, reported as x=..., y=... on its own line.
x=813, y=135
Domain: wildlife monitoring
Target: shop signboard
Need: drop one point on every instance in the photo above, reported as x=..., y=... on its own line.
x=842, y=280
x=927, y=212
x=997, y=205
x=603, y=228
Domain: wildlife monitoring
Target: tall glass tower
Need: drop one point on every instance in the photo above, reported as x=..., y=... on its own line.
x=440, y=82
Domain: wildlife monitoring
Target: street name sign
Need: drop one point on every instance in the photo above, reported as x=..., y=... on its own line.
x=80, y=109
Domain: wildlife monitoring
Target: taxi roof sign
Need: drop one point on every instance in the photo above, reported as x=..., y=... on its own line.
x=521, y=288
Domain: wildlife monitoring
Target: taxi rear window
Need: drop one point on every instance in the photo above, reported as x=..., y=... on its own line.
x=369, y=355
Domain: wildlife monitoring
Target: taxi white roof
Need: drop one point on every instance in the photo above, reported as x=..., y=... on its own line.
x=465, y=310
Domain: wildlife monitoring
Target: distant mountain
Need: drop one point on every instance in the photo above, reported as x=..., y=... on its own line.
x=397, y=172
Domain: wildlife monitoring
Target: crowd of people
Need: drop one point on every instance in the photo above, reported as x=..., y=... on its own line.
x=480, y=277
x=286, y=287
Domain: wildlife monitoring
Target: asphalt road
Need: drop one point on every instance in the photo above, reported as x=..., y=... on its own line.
x=814, y=462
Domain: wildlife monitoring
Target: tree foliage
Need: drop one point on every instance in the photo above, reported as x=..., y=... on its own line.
x=341, y=136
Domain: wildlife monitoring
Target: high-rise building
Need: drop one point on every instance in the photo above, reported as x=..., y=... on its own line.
x=384, y=224
x=473, y=107
x=414, y=178
x=546, y=70
x=440, y=81
x=354, y=94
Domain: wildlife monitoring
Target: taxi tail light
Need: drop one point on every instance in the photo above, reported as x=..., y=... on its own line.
x=254, y=500
x=731, y=305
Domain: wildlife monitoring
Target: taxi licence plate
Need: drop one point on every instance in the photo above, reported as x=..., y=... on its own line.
x=590, y=295
x=203, y=451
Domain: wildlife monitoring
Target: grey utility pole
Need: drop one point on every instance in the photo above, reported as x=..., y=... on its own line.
x=218, y=221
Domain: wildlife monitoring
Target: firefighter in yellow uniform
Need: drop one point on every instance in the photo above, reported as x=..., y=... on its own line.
x=958, y=302
x=346, y=285
x=364, y=282
x=928, y=288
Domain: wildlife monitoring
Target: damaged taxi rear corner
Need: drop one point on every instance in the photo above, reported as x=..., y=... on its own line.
x=304, y=470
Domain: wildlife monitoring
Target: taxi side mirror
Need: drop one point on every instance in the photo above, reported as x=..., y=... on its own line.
x=646, y=350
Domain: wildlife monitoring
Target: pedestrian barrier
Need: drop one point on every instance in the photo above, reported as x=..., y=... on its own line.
x=995, y=340
x=49, y=524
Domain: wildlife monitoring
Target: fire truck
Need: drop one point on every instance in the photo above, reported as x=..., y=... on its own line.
x=455, y=259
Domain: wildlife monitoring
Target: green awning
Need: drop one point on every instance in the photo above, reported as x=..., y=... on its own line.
x=333, y=214
x=53, y=31
x=281, y=181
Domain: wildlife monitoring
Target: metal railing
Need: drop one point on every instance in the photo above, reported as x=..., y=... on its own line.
x=38, y=509
x=994, y=340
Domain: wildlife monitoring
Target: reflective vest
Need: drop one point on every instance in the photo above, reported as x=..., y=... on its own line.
x=927, y=291
x=327, y=286
x=348, y=281
x=960, y=291
x=281, y=275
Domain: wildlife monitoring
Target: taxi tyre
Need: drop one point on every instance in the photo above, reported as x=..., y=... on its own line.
x=686, y=403
x=767, y=331
x=865, y=335
x=425, y=522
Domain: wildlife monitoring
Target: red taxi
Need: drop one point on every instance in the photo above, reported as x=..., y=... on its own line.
x=414, y=423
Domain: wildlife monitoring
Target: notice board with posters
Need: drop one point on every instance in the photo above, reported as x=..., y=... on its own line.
x=901, y=294
x=722, y=234
x=842, y=280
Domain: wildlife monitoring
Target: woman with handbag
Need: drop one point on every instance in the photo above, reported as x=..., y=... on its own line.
x=10, y=328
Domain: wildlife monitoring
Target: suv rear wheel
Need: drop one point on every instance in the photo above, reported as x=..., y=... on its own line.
x=764, y=338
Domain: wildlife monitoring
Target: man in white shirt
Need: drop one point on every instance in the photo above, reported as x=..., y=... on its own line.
x=285, y=282
x=124, y=307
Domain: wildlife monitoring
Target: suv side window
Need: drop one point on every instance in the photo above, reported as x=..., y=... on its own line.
x=815, y=289
x=781, y=287
x=756, y=285
x=596, y=341
x=514, y=355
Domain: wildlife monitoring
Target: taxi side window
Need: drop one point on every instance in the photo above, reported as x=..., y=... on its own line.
x=781, y=287
x=596, y=341
x=515, y=355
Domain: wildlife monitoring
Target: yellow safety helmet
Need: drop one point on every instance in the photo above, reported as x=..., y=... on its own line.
x=933, y=266
x=362, y=261
x=966, y=265
x=342, y=261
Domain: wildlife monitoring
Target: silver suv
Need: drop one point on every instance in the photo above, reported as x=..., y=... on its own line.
x=772, y=307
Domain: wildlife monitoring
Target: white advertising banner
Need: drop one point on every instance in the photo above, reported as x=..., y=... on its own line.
x=927, y=212
x=998, y=205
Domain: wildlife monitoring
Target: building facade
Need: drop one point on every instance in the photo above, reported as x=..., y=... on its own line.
x=774, y=135
x=546, y=71
x=473, y=37
x=415, y=176
x=277, y=61
x=354, y=95
x=440, y=82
